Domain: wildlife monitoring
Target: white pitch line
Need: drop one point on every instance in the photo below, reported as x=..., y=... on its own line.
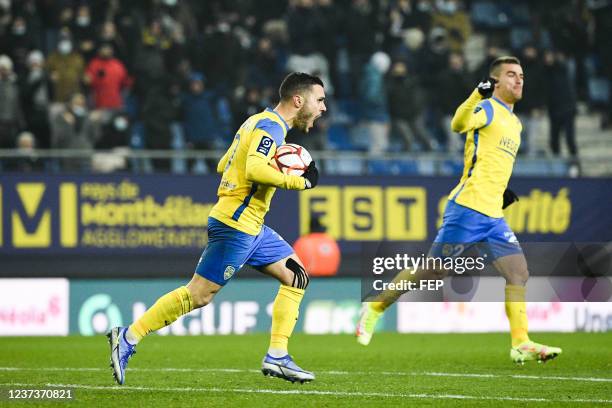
x=305, y=392
x=332, y=372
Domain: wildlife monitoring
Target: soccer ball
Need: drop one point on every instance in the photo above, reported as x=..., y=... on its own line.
x=291, y=159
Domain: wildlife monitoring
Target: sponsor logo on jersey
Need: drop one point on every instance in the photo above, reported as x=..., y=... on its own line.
x=265, y=145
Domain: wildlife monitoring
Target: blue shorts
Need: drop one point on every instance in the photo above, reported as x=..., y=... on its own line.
x=463, y=228
x=229, y=249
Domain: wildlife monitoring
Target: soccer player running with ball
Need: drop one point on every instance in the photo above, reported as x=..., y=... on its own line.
x=237, y=234
x=474, y=210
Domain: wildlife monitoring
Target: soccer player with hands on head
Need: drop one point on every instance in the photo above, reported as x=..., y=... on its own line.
x=473, y=214
x=237, y=234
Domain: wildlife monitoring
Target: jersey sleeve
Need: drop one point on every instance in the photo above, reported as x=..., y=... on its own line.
x=223, y=161
x=261, y=150
x=473, y=113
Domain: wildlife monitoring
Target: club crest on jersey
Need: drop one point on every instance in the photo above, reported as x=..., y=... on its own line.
x=265, y=145
x=510, y=237
x=229, y=272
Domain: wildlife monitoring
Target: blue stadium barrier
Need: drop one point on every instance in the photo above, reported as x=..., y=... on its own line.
x=531, y=167
x=393, y=167
x=451, y=167
x=344, y=167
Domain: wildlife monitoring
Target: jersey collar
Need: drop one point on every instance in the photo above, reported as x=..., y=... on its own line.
x=280, y=117
x=502, y=104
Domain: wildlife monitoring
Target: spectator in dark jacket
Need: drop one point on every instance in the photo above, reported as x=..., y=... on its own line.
x=561, y=102
x=406, y=106
x=531, y=108
x=11, y=118
x=26, y=158
x=200, y=122
x=159, y=110
x=450, y=89
x=198, y=107
x=374, y=105
x=35, y=98
x=74, y=128
x=18, y=42
x=83, y=32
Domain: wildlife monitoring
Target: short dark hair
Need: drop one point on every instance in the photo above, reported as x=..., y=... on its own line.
x=297, y=82
x=497, y=63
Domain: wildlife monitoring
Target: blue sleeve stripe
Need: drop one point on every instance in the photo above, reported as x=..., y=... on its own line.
x=488, y=108
x=245, y=203
x=474, y=158
x=274, y=129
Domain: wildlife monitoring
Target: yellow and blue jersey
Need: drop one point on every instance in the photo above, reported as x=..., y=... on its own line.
x=248, y=182
x=493, y=137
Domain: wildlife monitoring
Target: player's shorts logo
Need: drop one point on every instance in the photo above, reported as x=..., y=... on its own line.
x=265, y=145
x=511, y=237
x=229, y=272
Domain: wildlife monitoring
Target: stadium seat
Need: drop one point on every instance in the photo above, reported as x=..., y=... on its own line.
x=489, y=14
x=338, y=137
x=519, y=36
x=599, y=91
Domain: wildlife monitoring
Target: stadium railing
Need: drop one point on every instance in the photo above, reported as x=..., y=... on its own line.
x=331, y=162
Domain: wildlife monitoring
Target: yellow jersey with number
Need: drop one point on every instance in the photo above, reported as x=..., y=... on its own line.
x=248, y=181
x=493, y=137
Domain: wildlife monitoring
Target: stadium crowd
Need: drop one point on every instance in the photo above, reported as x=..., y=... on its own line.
x=184, y=74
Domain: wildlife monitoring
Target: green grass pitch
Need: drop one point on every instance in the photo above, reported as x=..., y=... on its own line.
x=395, y=370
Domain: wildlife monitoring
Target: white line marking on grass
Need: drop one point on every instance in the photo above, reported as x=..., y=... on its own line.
x=332, y=372
x=305, y=392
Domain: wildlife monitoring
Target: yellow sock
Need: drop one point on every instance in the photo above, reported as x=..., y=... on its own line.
x=388, y=297
x=516, y=310
x=166, y=310
x=284, y=315
x=378, y=306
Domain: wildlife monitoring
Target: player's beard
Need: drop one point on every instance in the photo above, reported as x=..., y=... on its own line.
x=302, y=119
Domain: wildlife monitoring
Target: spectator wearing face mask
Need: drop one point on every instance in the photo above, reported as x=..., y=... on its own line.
x=110, y=35
x=451, y=16
x=83, y=32
x=200, y=122
x=407, y=106
x=18, y=42
x=11, y=118
x=73, y=128
x=107, y=77
x=373, y=99
x=65, y=67
x=35, y=97
x=26, y=159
